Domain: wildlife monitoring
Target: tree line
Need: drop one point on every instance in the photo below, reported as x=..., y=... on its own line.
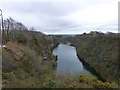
x=8, y=26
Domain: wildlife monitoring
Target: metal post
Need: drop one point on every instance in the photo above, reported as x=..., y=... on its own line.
x=2, y=29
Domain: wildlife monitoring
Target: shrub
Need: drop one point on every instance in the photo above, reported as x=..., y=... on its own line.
x=51, y=84
x=83, y=78
x=99, y=84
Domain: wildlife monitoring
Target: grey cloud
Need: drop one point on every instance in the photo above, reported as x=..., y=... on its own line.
x=49, y=8
x=49, y=16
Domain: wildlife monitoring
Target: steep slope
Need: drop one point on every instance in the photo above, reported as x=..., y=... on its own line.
x=22, y=60
x=101, y=52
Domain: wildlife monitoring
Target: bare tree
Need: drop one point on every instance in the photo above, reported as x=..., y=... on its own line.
x=10, y=26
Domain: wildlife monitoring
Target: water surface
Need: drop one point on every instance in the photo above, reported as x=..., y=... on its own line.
x=68, y=62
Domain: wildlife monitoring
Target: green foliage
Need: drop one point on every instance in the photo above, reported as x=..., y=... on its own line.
x=5, y=75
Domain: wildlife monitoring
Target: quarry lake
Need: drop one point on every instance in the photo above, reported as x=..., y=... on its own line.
x=68, y=61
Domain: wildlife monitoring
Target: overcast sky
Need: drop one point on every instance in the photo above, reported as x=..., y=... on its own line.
x=64, y=16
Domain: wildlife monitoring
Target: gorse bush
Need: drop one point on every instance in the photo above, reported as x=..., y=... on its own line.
x=99, y=84
x=83, y=78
